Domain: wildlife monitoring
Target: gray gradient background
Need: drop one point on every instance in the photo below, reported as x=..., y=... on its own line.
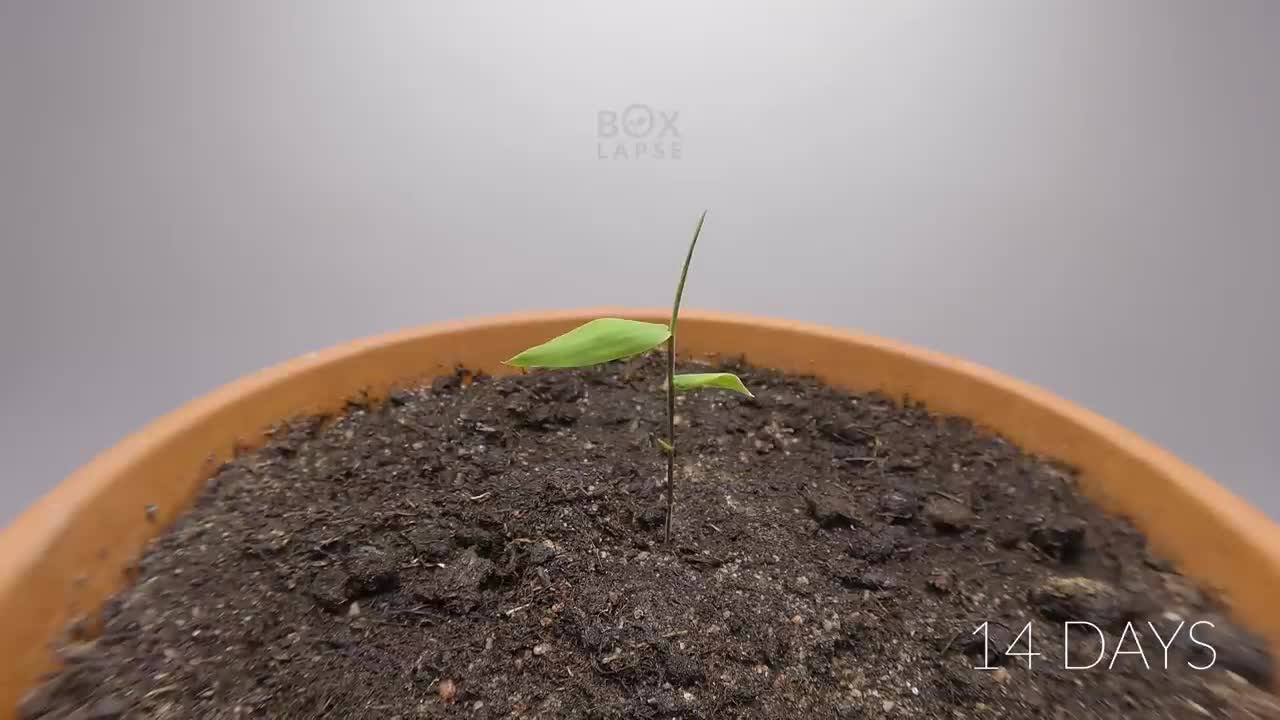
x=1083, y=194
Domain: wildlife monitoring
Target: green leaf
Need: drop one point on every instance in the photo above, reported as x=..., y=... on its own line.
x=666, y=446
x=600, y=340
x=726, y=381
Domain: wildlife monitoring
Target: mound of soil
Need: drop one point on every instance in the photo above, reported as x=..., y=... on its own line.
x=492, y=548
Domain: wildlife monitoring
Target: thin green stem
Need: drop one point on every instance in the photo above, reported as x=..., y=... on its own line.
x=671, y=380
x=671, y=433
x=684, y=273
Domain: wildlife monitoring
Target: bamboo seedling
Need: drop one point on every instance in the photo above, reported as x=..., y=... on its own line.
x=605, y=339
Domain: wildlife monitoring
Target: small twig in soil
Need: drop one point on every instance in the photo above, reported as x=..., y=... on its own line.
x=957, y=635
x=865, y=433
x=160, y=691
x=515, y=610
x=413, y=426
x=388, y=623
x=481, y=496
x=948, y=496
x=415, y=613
x=839, y=434
x=949, y=643
x=611, y=658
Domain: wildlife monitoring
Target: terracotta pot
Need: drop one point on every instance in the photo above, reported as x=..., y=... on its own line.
x=63, y=556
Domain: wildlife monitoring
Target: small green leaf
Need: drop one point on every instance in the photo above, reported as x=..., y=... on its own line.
x=726, y=381
x=666, y=446
x=600, y=340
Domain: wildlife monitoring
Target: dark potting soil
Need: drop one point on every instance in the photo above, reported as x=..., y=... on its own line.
x=492, y=548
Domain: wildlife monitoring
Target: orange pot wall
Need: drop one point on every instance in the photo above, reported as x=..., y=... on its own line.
x=63, y=556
